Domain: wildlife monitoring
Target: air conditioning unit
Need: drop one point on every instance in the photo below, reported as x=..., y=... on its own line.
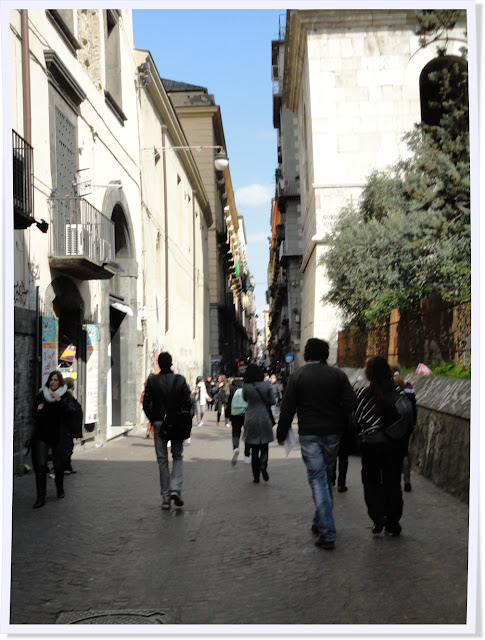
x=104, y=251
x=74, y=240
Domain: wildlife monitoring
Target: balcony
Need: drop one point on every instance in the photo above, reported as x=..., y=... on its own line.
x=23, y=182
x=290, y=248
x=82, y=240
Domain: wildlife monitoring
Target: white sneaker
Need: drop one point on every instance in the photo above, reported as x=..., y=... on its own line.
x=200, y=424
x=247, y=459
x=187, y=441
x=234, y=457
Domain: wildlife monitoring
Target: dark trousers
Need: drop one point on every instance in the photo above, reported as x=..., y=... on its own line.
x=259, y=458
x=381, y=477
x=40, y=453
x=237, y=422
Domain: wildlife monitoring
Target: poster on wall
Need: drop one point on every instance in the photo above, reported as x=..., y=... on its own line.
x=50, y=331
x=92, y=373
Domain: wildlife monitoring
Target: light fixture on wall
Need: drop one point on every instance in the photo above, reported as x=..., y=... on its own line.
x=221, y=160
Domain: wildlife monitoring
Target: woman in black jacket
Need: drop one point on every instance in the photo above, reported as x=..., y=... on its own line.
x=51, y=416
x=382, y=457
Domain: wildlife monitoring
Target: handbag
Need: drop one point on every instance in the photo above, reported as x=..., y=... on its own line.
x=268, y=408
x=402, y=427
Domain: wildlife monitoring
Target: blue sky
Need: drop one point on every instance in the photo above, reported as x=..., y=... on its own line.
x=229, y=52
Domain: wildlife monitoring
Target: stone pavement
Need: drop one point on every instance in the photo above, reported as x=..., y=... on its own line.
x=238, y=553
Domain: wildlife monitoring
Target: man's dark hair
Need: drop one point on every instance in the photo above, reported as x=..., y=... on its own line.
x=253, y=373
x=165, y=361
x=316, y=349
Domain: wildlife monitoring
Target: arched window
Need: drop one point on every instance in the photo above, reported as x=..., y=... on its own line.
x=442, y=79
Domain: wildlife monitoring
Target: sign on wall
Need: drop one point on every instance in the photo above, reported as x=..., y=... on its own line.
x=50, y=332
x=92, y=373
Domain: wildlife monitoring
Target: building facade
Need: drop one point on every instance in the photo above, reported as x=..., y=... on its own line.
x=355, y=80
x=229, y=341
x=284, y=278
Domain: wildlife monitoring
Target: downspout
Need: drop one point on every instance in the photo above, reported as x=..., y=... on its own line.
x=165, y=206
x=194, y=266
x=24, y=21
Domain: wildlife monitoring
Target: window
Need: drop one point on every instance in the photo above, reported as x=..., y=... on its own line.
x=442, y=79
x=113, y=89
x=63, y=20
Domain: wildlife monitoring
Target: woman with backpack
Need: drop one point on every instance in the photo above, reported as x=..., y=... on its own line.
x=382, y=456
x=237, y=408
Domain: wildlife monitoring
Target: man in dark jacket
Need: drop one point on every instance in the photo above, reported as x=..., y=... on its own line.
x=166, y=394
x=322, y=398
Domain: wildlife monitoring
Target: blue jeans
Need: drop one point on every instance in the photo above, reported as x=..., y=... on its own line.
x=168, y=481
x=319, y=454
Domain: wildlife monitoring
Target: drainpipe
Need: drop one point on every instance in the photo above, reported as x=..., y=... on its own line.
x=165, y=206
x=194, y=267
x=24, y=21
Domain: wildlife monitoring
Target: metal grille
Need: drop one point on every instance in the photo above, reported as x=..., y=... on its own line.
x=23, y=174
x=79, y=229
x=65, y=154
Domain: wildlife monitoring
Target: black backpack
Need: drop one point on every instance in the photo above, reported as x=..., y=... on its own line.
x=400, y=418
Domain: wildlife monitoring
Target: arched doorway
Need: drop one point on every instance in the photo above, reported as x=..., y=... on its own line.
x=121, y=320
x=442, y=79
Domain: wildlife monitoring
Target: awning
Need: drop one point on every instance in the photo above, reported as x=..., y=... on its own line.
x=124, y=308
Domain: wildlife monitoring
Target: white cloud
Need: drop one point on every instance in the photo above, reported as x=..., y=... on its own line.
x=257, y=238
x=254, y=195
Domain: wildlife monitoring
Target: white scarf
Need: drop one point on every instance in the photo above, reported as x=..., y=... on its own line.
x=48, y=393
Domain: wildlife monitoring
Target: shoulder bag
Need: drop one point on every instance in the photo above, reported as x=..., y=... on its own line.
x=268, y=408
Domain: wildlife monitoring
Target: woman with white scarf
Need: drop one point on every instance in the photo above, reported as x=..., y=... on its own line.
x=51, y=431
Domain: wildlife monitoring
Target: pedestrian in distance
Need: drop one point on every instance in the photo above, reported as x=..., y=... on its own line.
x=51, y=415
x=74, y=422
x=166, y=396
x=323, y=399
x=382, y=456
x=405, y=386
x=221, y=397
x=210, y=388
x=237, y=408
x=258, y=421
x=200, y=399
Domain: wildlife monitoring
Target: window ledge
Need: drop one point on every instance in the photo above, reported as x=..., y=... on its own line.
x=113, y=105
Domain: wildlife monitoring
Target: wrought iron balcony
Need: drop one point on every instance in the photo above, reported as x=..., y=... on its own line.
x=82, y=240
x=23, y=182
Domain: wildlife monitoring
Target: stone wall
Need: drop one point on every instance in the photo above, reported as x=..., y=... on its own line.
x=440, y=444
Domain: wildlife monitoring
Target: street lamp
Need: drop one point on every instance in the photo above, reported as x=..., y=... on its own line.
x=221, y=160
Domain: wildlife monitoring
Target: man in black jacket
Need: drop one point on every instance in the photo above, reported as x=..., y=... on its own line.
x=166, y=394
x=322, y=398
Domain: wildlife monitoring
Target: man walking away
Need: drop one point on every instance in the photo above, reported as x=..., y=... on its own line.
x=322, y=398
x=166, y=394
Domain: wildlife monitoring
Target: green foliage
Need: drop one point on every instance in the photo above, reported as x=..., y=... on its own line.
x=451, y=370
x=409, y=235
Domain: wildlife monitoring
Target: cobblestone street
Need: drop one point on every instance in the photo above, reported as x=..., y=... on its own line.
x=238, y=553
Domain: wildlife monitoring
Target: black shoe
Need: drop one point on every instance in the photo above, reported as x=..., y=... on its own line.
x=265, y=475
x=377, y=528
x=342, y=488
x=176, y=499
x=407, y=486
x=314, y=528
x=60, y=493
x=40, y=502
x=324, y=544
x=393, y=529
x=256, y=480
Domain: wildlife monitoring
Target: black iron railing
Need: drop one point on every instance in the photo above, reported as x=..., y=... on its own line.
x=23, y=176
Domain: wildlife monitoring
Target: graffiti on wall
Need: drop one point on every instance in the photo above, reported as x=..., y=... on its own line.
x=20, y=292
x=34, y=269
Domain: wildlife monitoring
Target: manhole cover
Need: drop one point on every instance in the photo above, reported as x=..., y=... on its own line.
x=125, y=616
